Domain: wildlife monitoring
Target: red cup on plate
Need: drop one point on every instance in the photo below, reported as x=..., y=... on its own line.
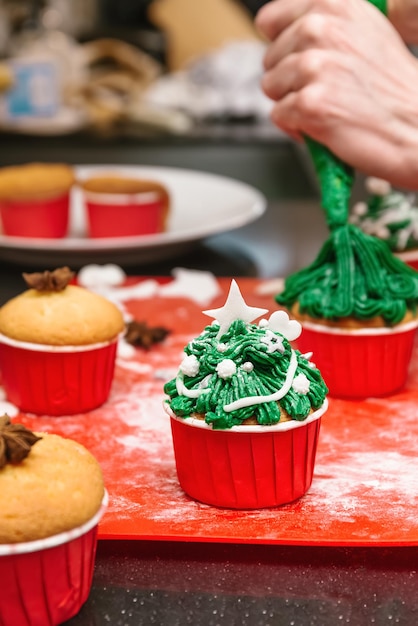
x=124, y=207
x=47, y=218
x=35, y=199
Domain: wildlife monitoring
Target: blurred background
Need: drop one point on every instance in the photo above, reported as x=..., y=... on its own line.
x=163, y=83
x=155, y=65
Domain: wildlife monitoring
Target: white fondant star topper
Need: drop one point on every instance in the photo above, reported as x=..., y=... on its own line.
x=235, y=308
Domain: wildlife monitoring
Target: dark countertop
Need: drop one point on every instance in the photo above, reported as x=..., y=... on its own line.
x=136, y=584
x=167, y=583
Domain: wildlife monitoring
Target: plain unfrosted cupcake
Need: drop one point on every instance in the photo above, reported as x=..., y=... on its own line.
x=245, y=410
x=58, y=345
x=122, y=206
x=35, y=199
x=52, y=499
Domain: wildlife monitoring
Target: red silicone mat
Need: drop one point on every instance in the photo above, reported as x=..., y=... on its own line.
x=365, y=487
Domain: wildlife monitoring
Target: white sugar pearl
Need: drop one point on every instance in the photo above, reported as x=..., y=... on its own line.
x=190, y=365
x=226, y=368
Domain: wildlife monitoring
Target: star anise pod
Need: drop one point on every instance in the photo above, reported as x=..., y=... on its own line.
x=57, y=280
x=141, y=335
x=16, y=441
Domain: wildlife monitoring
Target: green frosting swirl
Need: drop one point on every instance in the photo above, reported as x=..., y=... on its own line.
x=354, y=275
x=260, y=363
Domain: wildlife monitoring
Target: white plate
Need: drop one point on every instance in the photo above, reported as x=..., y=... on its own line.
x=202, y=204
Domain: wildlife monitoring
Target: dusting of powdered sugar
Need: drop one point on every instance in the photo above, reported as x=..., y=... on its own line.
x=365, y=486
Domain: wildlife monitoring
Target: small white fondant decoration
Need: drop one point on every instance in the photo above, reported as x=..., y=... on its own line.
x=222, y=347
x=93, y=276
x=263, y=323
x=248, y=366
x=307, y=355
x=301, y=384
x=279, y=322
x=273, y=342
x=141, y=290
x=190, y=365
x=200, y=286
x=226, y=368
x=235, y=308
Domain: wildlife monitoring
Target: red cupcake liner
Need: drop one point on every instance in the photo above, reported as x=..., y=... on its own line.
x=51, y=381
x=46, y=582
x=46, y=219
x=410, y=257
x=124, y=216
x=246, y=467
x=360, y=363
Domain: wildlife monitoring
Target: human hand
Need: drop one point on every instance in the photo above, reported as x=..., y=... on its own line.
x=339, y=73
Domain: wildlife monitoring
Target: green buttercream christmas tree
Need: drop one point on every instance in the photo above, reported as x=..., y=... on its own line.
x=236, y=370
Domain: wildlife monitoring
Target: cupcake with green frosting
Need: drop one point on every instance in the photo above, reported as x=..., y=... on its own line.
x=390, y=215
x=357, y=301
x=245, y=410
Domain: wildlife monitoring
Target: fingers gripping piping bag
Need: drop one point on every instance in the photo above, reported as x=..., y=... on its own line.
x=357, y=302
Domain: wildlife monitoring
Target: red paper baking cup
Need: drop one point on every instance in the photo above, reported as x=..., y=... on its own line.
x=46, y=219
x=56, y=380
x=410, y=257
x=46, y=582
x=245, y=467
x=360, y=363
x=124, y=215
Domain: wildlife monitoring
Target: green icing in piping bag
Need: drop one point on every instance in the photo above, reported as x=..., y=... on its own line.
x=382, y=5
x=336, y=181
x=354, y=274
x=336, y=178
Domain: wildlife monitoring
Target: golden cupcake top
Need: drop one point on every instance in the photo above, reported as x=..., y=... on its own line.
x=35, y=181
x=58, y=486
x=115, y=184
x=55, y=313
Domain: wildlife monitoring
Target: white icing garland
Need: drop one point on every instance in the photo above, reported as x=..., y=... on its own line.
x=251, y=400
x=182, y=390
